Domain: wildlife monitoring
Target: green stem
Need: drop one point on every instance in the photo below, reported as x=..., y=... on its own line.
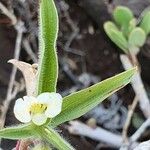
x=55, y=139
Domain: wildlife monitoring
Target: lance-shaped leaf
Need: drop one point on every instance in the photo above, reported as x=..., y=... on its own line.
x=145, y=23
x=79, y=103
x=48, y=67
x=17, y=132
x=116, y=36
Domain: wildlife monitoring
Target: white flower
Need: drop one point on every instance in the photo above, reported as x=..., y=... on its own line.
x=37, y=110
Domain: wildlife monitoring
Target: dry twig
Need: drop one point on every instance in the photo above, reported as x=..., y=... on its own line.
x=138, y=87
x=12, y=88
x=128, y=120
x=20, y=29
x=140, y=131
x=8, y=14
x=98, y=134
x=19, y=26
x=29, y=50
x=143, y=146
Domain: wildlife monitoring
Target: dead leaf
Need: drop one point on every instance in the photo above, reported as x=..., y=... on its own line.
x=30, y=75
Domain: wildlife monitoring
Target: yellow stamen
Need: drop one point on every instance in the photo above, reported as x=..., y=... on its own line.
x=37, y=108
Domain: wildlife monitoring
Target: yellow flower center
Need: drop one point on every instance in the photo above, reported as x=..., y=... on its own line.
x=37, y=108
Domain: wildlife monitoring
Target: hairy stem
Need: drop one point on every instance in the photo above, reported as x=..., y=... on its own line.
x=54, y=138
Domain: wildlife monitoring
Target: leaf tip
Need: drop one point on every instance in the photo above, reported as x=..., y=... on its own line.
x=11, y=61
x=133, y=71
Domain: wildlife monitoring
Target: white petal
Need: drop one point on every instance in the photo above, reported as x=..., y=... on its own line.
x=30, y=100
x=39, y=119
x=48, y=98
x=54, y=108
x=21, y=111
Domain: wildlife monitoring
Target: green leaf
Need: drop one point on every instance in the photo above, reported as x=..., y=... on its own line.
x=17, y=132
x=137, y=37
x=122, y=15
x=48, y=67
x=116, y=36
x=145, y=23
x=79, y=103
x=53, y=138
x=132, y=25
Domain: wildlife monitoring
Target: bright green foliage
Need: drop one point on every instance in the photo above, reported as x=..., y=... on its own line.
x=116, y=36
x=48, y=67
x=137, y=37
x=17, y=132
x=122, y=15
x=79, y=103
x=125, y=33
x=145, y=24
x=132, y=25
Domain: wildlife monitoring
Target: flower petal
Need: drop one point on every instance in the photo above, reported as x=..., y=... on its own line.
x=30, y=100
x=39, y=119
x=53, y=101
x=48, y=98
x=54, y=108
x=21, y=111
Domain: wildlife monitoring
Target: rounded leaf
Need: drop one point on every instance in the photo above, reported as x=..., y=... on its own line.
x=137, y=37
x=132, y=25
x=145, y=23
x=122, y=15
x=116, y=36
